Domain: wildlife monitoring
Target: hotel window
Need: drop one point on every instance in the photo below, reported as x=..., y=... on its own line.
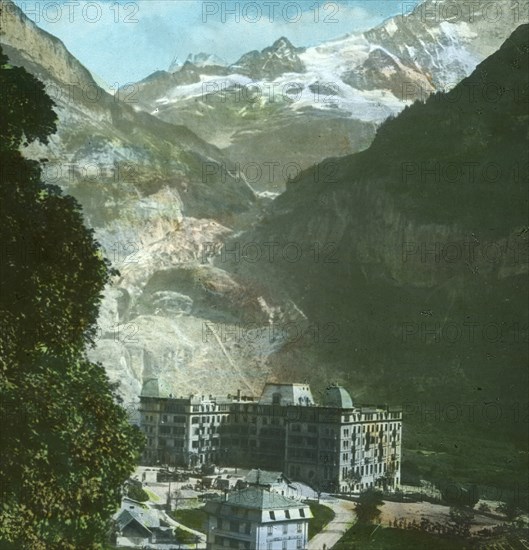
x=302, y=512
x=285, y=545
x=287, y=514
x=300, y=527
x=270, y=530
x=298, y=544
x=285, y=528
x=272, y=515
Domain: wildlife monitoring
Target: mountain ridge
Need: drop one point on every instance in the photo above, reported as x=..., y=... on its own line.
x=327, y=100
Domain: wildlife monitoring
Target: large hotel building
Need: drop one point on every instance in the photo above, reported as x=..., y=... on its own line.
x=334, y=446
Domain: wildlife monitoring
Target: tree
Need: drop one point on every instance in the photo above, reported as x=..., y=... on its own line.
x=353, y=478
x=367, y=506
x=387, y=480
x=458, y=495
x=178, y=499
x=135, y=491
x=319, y=485
x=462, y=519
x=192, y=457
x=67, y=447
x=510, y=509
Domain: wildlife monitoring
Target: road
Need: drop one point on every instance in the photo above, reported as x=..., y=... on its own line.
x=344, y=518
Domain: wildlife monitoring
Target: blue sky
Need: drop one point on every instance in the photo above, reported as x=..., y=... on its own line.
x=125, y=41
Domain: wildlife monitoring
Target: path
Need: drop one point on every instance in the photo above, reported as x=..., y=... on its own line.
x=344, y=518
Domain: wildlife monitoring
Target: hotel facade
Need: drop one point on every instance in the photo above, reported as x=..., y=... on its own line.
x=334, y=446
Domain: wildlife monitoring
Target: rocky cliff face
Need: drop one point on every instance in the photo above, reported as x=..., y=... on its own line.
x=130, y=152
x=158, y=199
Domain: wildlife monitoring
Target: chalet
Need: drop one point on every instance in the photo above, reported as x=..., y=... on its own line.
x=257, y=519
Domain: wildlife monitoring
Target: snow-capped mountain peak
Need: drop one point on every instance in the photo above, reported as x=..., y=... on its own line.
x=200, y=60
x=205, y=60
x=280, y=58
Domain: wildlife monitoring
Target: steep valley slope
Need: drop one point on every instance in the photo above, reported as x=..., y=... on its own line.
x=416, y=256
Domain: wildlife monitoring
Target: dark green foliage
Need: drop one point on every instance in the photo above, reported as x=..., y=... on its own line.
x=321, y=516
x=454, y=494
x=26, y=112
x=462, y=518
x=194, y=518
x=136, y=492
x=462, y=154
x=184, y=537
x=369, y=537
x=67, y=446
x=510, y=508
x=367, y=506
